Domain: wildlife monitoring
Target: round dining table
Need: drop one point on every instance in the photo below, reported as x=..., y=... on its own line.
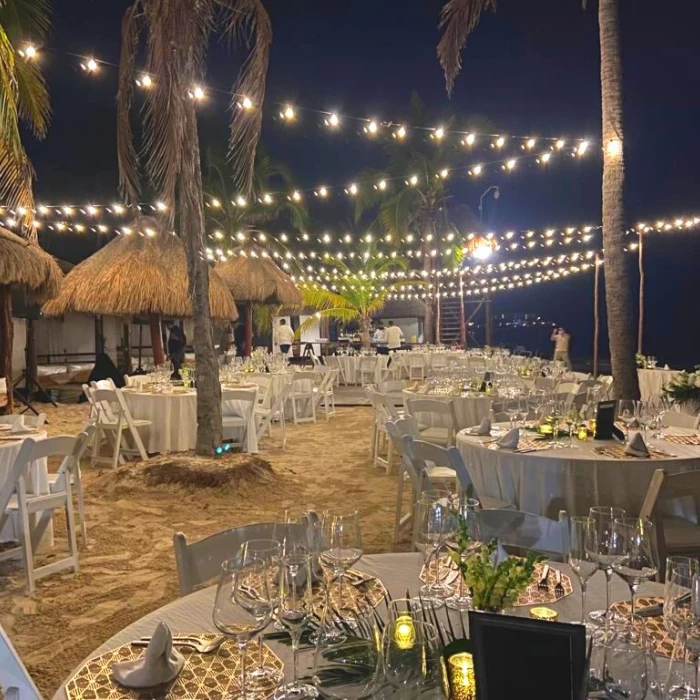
x=652, y=381
x=173, y=418
x=398, y=572
x=470, y=409
x=37, y=480
x=571, y=479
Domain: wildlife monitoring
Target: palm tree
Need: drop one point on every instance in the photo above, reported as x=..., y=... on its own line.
x=458, y=19
x=362, y=291
x=24, y=99
x=177, y=33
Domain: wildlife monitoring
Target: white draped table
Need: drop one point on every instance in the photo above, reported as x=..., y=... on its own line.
x=37, y=481
x=470, y=410
x=651, y=381
x=575, y=479
x=174, y=419
x=398, y=572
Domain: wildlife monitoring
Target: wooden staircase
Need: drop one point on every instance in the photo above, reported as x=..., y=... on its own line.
x=449, y=320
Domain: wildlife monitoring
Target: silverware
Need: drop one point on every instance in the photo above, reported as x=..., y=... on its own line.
x=658, y=609
x=542, y=584
x=558, y=588
x=191, y=642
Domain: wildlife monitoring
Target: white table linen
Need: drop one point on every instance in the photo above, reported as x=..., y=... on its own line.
x=37, y=481
x=547, y=481
x=469, y=410
x=174, y=420
x=652, y=381
x=398, y=572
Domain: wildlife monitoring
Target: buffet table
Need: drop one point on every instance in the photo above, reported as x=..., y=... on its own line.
x=193, y=613
x=652, y=381
x=575, y=479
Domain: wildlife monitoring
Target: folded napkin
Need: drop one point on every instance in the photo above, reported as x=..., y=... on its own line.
x=484, y=427
x=510, y=439
x=160, y=664
x=637, y=447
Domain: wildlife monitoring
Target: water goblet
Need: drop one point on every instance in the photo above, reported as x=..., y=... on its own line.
x=467, y=510
x=582, y=563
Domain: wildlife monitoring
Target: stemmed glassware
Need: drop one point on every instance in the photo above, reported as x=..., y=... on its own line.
x=634, y=542
x=468, y=509
x=295, y=609
x=682, y=574
x=512, y=408
x=243, y=606
x=627, y=414
x=600, y=547
x=581, y=561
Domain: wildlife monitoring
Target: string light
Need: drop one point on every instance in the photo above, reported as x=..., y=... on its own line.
x=90, y=65
x=322, y=192
x=267, y=198
x=544, y=158
x=470, y=140
x=444, y=173
x=381, y=185
x=560, y=144
x=582, y=147
x=500, y=142
x=246, y=103
x=510, y=164
x=333, y=120
x=372, y=128
x=352, y=190
x=197, y=93
x=413, y=180
x=29, y=52
x=530, y=143
x=438, y=134
x=296, y=196
x=288, y=113
x=400, y=133
x=614, y=147
x=145, y=81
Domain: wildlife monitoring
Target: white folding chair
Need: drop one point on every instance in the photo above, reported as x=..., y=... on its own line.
x=334, y=362
x=444, y=411
x=114, y=420
x=324, y=391
x=236, y=420
x=676, y=419
x=367, y=369
x=393, y=390
x=265, y=386
x=264, y=416
x=416, y=365
x=303, y=390
x=76, y=482
x=514, y=528
x=380, y=439
x=15, y=681
x=200, y=562
x=16, y=501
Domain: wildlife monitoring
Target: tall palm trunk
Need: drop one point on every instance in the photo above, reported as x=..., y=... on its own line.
x=618, y=283
x=429, y=318
x=6, y=338
x=209, y=429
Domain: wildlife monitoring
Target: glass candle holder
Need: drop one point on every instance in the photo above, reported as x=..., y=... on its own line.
x=461, y=676
x=405, y=632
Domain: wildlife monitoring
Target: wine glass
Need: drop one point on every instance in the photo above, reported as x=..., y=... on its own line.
x=635, y=543
x=512, y=408
x=468, y=510
x=582, y=563
x=627, y=414
x=243, y=606
x=681, y=576
x=411, y=657
x=269, y=551
x=600, y=545
x=434, y=524
x=571, y=419
x=295, y=609
x=341, y=548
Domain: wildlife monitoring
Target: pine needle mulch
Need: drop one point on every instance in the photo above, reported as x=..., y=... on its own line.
x=128, y=568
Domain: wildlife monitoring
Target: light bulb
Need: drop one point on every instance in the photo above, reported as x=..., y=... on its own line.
x=413, y=180
x=471, y=138
x=289, y=114
x=400, y=133
x=500, y=141
x=267, y=198
x=322, y=192
x=511, y=164
x=352, y=189
x=477, y=170
x=92, y=210
x=91, y=65
x=372, y=127
x=198, y=93
x=582, y=148
x=439, y=133
x=247, y=103
x=444, y=173
x=161, y=206
x=381, y=184
x=118, y=209
x=215, y=202
x=241, y=201
x=544, y=158
x=530, y=143
x=560, y=144
x=614, y=147
x=145, y=81
x=29, y=52
x=333, y=120
x=296, y=196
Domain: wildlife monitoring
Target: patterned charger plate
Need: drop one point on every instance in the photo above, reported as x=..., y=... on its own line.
x=661, y=641
x=211, y=676
x=682, y=439
x=532, y=595
x=618, y=452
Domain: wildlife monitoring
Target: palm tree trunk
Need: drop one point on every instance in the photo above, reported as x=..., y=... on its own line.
x=6, y=337
x=248, y=337
x=156, y=340
x=596, y=315
x=640, y=328
x=462, y=315
x=428, y=319
x=618, y=287
x=209, y=429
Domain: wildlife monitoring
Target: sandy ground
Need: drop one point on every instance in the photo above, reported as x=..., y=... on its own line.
x=128, y=567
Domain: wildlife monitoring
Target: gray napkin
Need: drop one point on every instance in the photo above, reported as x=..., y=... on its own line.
x=160, y=664
x=510, y=439
x=484, y=427
x=637, y=447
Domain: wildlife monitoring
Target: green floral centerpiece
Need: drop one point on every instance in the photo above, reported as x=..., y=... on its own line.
x=494, y=585
x=684, y=389
x=641, y=360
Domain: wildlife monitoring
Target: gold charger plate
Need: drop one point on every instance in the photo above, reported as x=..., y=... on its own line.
x=211, y=676
x=659, y=638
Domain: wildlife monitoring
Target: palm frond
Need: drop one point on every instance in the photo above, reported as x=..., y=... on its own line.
x=458, y=19
x=25, y=20
x=395, y=214
x=247, y=21
x=340, y=314
x=33, y=103
x=322, y=299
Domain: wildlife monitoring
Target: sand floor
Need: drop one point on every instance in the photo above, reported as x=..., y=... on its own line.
x=128, y=568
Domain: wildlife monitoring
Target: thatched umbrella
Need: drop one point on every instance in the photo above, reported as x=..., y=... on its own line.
x=253, y=277
x=23, y=265
x=143, y=272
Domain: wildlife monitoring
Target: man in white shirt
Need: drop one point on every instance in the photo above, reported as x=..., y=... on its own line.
x=394, y=336
x=285, y=337
x=561, y=340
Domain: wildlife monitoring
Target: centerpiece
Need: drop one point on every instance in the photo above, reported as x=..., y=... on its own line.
x=684, y=389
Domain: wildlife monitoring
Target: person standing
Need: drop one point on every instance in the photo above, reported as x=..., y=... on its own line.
x=176, y=349
x=561, y=340
x=285, y=337
x=394, y=336
x=379, y=339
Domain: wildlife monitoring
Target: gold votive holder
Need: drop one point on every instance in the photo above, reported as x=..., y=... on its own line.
x=405, y=632
x=582, y=433
x=546, y=429
x=543, y=613
x=461, y=675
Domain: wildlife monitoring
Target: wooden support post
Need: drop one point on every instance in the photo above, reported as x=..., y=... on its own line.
x=640, y=329
x=596, y=314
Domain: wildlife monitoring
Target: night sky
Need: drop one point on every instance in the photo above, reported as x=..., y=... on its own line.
x=531, y=68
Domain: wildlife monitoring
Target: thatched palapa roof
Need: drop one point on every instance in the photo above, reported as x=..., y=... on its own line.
x=252, y=275
x=140, y=273
x=24, y=264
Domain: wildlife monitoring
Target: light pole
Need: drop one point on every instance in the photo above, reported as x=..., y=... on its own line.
x=496, y=194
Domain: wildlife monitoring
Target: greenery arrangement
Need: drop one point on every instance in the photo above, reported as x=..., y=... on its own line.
x=494, y=586
x=684, y=388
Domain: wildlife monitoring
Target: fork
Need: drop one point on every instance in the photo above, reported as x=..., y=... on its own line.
x=190, y=642
x=542, y=584
x=558, y=588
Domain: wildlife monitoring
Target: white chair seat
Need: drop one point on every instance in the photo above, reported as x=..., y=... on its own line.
x=234, y=421
x=435, y=435
x=441, y=473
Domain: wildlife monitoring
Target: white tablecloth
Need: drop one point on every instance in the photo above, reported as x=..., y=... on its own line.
x=174, y=420
x=398, y=572
x=37, y=481
x=350, y=366
x=547, y=481
x=469, y=410
x=651, y=381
